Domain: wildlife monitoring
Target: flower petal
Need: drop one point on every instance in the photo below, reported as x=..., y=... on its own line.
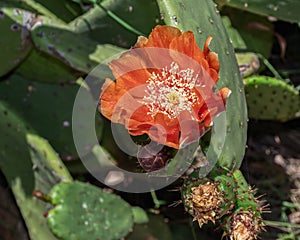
x=161, y=37
x=224, y=93
x=213, y=61
x=186, y=44
x=118, y=104
x=128, y=62
x=109, y=97
x=159, y=129
x=133, y=79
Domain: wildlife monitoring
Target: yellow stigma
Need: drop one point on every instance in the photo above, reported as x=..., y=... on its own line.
x=173, y=98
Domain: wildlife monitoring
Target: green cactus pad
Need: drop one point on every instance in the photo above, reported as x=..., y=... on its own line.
x=54, y=38
x=64, y=10
x=48, y=107
x=82, y=211
x=31, y=6
x=46, y=69
x=237, y=41
x=271, y=99
x=256, y=31
x=15, y=41
x=202, y=17
x=98, y=25
x=28, y=163
x=281, y=9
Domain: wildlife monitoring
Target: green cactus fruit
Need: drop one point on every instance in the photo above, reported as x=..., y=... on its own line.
x=82, y=211
x=54, y=39
x=245, y=222
x=15, y=41
x=202, y=17
x=209, y=199
x=271, y=99
x=28, y=162
x=121, y=21
x=48, y=107
x=283, y=10
x=46, y=69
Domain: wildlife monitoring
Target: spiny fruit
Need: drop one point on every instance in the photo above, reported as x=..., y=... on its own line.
x=225, y=197
x=208, y=199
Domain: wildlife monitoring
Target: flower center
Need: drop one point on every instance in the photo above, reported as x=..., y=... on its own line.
x=173, y=98
x=171, y=91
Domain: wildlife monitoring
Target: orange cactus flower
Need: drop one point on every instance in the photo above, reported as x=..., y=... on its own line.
x=165, y=88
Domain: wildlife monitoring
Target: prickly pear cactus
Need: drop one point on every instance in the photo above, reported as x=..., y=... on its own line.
x=46, y=69
x=271, y=99
x=15, y=44
x=54, y=38
x=81, y=211
x=281, y=9
x=28, y=163
x=133, y=16
x=64, y=10
x=49, y=105
x=61, y=11
x=203, y=19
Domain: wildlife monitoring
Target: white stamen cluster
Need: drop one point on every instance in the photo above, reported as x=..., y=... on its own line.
x=171, y=91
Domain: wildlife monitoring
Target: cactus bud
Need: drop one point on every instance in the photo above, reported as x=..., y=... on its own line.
x=150, y=160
